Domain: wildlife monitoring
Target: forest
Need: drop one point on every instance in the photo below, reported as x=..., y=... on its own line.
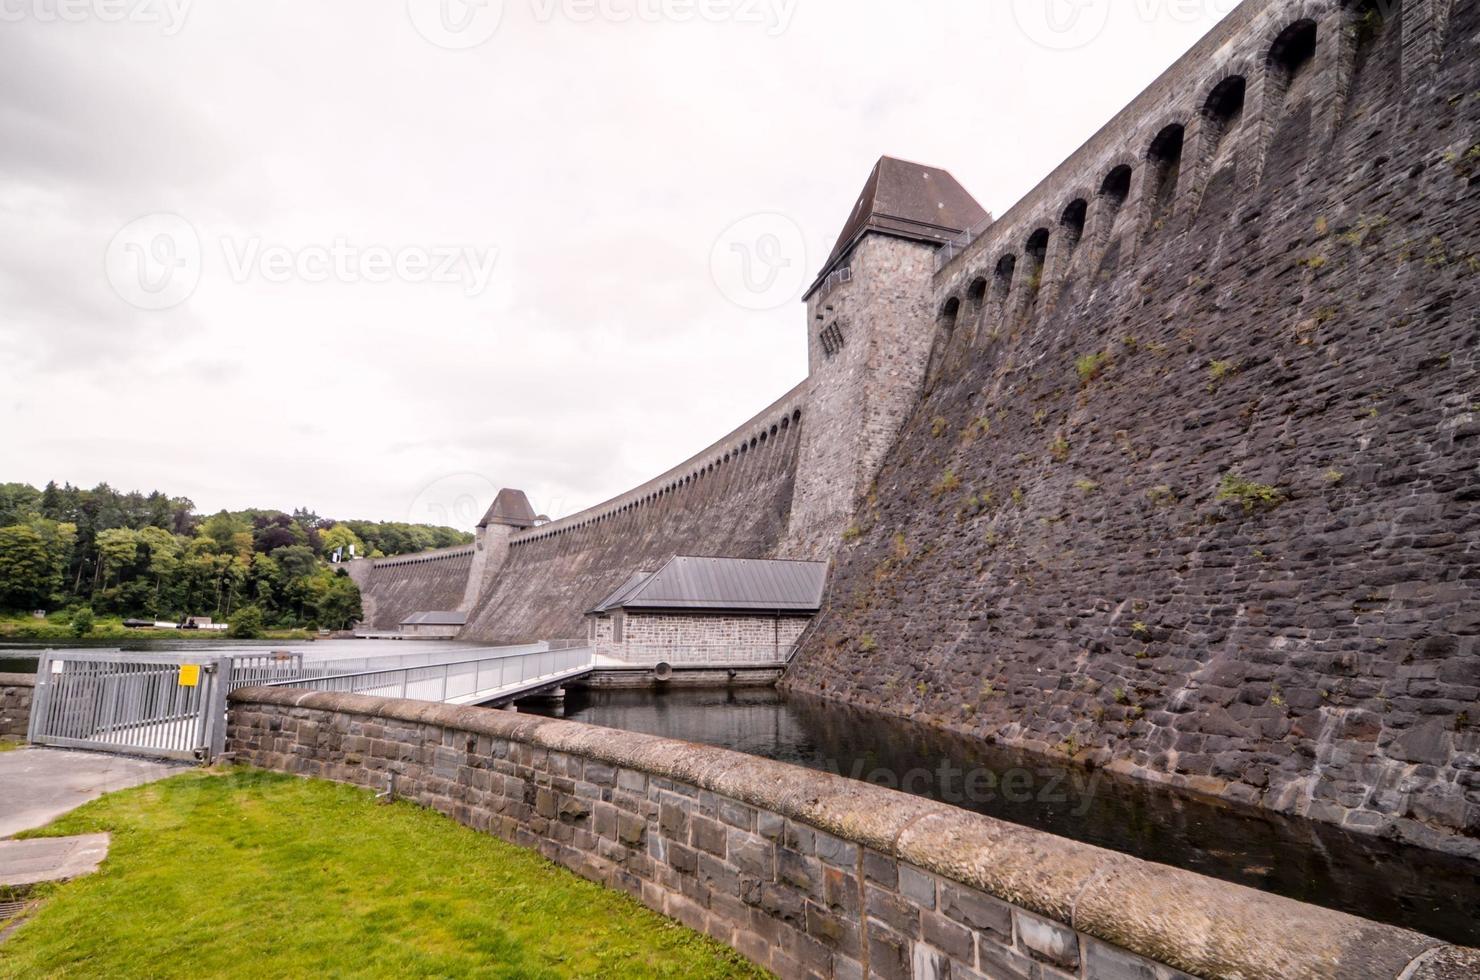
x=106, y=552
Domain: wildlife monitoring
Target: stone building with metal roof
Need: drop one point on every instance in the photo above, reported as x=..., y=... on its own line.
x=708, y=612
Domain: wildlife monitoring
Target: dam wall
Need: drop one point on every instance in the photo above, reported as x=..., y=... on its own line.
x=1192, y=491
x=393, y=588
x=731, y=499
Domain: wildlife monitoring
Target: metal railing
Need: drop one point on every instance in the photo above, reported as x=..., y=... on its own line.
x=836, y=278
x=955, y=246
x=495, y=677
x=254, y=670
x=701, y=655
x=171, y=706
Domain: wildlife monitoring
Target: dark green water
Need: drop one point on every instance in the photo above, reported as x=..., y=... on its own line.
x=1301, y=859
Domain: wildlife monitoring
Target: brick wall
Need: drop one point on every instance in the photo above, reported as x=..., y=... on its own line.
x=813, y=875
x=1300, y=314
x=688, y=639
x=16, y=691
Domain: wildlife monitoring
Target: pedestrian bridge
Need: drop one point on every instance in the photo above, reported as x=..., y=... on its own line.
x=174, y=705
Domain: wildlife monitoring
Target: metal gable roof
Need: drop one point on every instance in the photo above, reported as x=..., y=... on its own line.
x=739, y=584
x=628, y=586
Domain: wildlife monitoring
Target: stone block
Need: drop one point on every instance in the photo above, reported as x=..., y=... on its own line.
x=754, y=856
x=1047, y=941
x=889, y=955
x=708, y=835
x=894, y=910
x=944, y=934
x=977, y=910
x=929, y=964
x=917, y=886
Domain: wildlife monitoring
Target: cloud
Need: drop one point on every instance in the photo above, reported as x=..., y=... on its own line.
x=601, y=161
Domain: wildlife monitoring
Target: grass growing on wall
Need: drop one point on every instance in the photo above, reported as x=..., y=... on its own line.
x=246, y=873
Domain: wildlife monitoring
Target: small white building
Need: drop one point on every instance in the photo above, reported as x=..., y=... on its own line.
x=709, y=612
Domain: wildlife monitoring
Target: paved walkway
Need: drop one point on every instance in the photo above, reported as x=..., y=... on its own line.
x=30, y=862
x=39, y=785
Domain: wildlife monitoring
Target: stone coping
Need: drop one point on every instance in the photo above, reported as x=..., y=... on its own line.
x=1197, y=924
x=17, y=680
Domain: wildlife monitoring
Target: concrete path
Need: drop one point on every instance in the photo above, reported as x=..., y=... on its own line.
x=30, y=862
x=39, y=785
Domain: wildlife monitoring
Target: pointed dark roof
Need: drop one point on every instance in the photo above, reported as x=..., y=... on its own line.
x=729, y=584
x=907, y=200
x=510, y=507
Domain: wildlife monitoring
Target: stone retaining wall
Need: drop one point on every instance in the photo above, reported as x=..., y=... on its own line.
x=813, y=875
x=15, y=704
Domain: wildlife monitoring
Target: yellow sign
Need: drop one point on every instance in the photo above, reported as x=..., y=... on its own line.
x=190, y=675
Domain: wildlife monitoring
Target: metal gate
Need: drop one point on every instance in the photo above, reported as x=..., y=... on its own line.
x=163, y=705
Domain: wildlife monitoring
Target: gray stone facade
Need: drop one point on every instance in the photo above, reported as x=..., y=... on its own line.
x=696, y=638
x=1198, y=499
x=16, y=693
x=866, y=358
x=812, y=875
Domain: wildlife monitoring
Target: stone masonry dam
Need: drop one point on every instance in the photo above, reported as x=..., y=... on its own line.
x=1171, y=469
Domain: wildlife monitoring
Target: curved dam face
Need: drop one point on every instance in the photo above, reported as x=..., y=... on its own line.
x=392, y=589
x=1171, y=468
x=734, y=499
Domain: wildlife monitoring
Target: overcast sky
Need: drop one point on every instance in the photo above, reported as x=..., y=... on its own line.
x=333, y=254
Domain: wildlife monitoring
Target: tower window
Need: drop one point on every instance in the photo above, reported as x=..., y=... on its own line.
x=831, y=339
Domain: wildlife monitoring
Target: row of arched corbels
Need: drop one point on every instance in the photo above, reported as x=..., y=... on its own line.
x=436, y=556
x=727, y=455
x=1162, y=171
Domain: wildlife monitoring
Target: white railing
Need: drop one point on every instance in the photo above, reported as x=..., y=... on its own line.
x=252, y=670
x=492, y=677
x=706, y=655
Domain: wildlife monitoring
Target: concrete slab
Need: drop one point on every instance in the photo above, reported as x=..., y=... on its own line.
x=39, y=785
x=30, y=862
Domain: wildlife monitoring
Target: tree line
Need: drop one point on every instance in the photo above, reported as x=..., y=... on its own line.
x=152, y=556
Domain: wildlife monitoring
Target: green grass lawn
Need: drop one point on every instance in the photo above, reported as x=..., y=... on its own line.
x=246, y=873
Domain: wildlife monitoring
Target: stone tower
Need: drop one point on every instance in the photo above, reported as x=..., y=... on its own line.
x=870, y=332
x=509, y=514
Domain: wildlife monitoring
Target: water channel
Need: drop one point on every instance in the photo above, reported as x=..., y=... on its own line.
x=1308, y=861
x=1312, y=862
